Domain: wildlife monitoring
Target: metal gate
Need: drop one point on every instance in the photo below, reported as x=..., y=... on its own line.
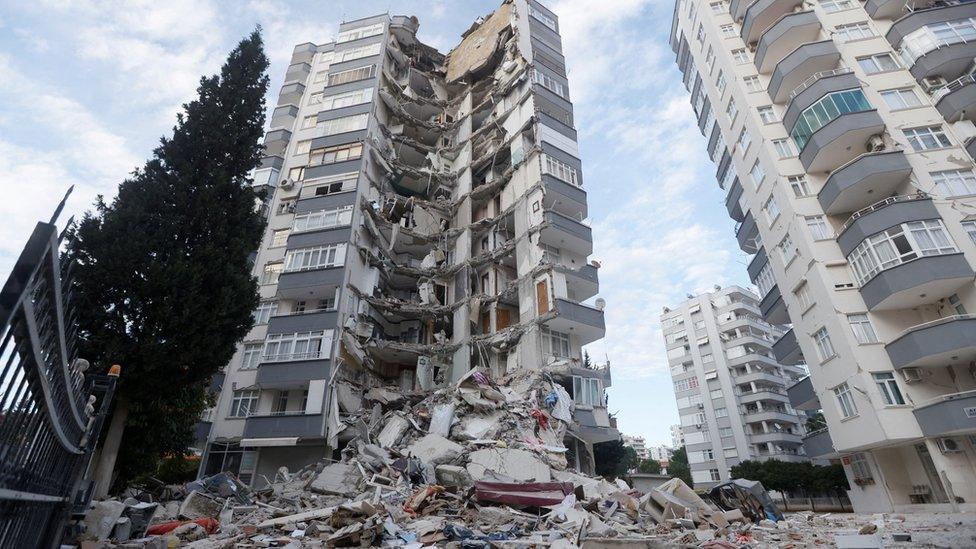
x=51, y=410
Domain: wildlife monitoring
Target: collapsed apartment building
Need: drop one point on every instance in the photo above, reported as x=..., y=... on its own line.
x=425, y=218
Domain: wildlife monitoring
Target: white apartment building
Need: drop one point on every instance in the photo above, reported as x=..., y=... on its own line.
x=638, y=444
x=730, y=390
x=843, y=135
x=677, y=437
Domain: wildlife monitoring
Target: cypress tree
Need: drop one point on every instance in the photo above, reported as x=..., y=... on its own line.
x=163, y=282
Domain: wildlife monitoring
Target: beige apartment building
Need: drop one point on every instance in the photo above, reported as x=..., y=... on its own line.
x=843, y=137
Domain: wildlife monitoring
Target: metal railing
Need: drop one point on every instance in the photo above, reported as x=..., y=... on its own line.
x=958, y=83
x=931, y=323
x=883, y=204
x=48, y=420
x=946, y=398
x=808, y=81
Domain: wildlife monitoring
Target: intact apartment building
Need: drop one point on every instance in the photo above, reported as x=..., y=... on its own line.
x=843, y=137
x=729, y=387
x=425, y=218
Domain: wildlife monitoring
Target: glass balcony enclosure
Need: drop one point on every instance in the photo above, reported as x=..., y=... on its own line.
x=932, y=37
x=825, y=110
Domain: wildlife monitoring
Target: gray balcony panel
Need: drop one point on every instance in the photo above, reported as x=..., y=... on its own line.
x=557, y=111
x=297, y=72
x=761, y=14
x=284, y=116
x=271, y=162
x=338, y=139
x=306, y=322
x=803, y=62
x=556, y=125
x=724, y=164
x=544, y=34
x=361, y=22
x=887, y=9
x=924, y=280
x=802, y=396
x=950, y=61
x=276, y=141
x=336, y=168
x=301, y=426
x=883, y=218
x=732, y=201
x=713, y=141
x=924, y=17
x=818, y=444
x=587, y=323
x=344, y=111
x=747, y=234
x=950, y=415
x=558, y=100
x=757, y=396
x=300, y=282
x=814, y=92
x=303, y=53
x=971, y=147
x=775, y=438
x=291, y=94
x=563, y=197
x=787, y=350
x=756, y=265
x=569, y=225
x=328, y=202
x=321, y=237
x=760, y=376
x=587, y=273
x=703, y=117
x=565, y=232
x=960, y=103
x=737, y=8
x=937, y=344
x=562, y=156
x=287, y=375
x=784, y=36
x=773, y=308
x=840, y=141
x=864, y=181
x=770, y=415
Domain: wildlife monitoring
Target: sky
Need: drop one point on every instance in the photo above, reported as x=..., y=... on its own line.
x=87, y=88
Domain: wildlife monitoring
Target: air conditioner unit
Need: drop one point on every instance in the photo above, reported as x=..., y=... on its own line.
x=948, y=445
x=875, y=143
x=286, y=184
x=911, y=375
x=933, y=82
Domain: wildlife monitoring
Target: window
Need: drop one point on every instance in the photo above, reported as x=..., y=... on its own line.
x=338, y=153
x=744, y=141
x=278, y=238
x=721, y=412
x=771, y=210
x=732, y=111
x=936, y=35
x=245, y=403
x=542, y=17
x=955, y=182
x=322, y=219
x=903, y=98
x=799, y=185
x=352, y=75
x=862, y=328
x=344, y=124
x=675, y=337
x=302, y=147
x=309, y=121
x=845, y=400
x=818, y=227
x=286, y=206
x=315, y=98
x=686, y=384
x=265, y=311
x=825, y=110
x=710, y=59
x=956, y=304
x=787, y=249
x=831, y=6
x=555, y=343
x=854, y=31
x=357, y=53
x=720, y=82
x=700, y=35
x=757, y=173
x=728, y=31
x=318, y=257
x=825, y=349
x=281, y=404
x=360, y=32
x=251, y=356
x=548, y=82
x=708, y=358
x=559, y=170
x=767, y=114
x=587, y=391
x=739, y=55
x=860, y=469
x=970, y=227
x=897, y=245
x=725, y=432
x=320, y=77
x=752, y=83
x=929, y=137
x=720, y=7
x=271, y=273
x=889, y=388
x=715, y=476
x=881, y=62
x=297, y=173
x=765, y=280
x=784, y=148
x=347, y=99
x=333, y=184
x=298, y=346
x=803, y=296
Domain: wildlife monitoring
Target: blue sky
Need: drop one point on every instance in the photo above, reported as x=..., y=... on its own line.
x=87, y=88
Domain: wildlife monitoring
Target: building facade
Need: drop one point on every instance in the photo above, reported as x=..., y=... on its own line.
x=677, y=437
x=425, y=218
x=730, y=390
x=639, y=446
x=842, y=133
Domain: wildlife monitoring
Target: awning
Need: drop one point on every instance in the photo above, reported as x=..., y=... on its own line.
x=259, y=442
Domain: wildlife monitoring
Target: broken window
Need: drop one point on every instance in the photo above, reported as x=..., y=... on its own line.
x=555, y=343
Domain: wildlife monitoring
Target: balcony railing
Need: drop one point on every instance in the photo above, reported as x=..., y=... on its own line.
x=817, y=76
x=958, y=83
x=932, y=323
x=883, y=204
x=313, y=355
x=949, y=397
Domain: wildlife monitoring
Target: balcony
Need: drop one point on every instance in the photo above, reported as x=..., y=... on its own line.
x=891, y=9
x=764, y=377
x=781, y=456
x=584, y=282
x=773, y=307
x=787, y=350
x=770, y=415
x=283, y=117
x=275, y=142
x=737, y=9
x=912, y=282
x=971, y=147
x=957, y=100
x=747, y=233
x=303, y=53
x=297, y=72
x=583, y=321
x=300, y=426
x=818, y=444
x=765, y=395
x=947, y=415
x=563, y=197
x=802, y=396
x=733, y=201
x=291, y=375
x=291, y=94
x=757, y=264
x=926, y=52
x=949, y=340
x=800, y=64
x=311, y=321
x=791, y=31
x=861, y=182
x=840, y=141
x=761, y=14
x=301, y=284
x=566, y=233
x=752, y=358
x=775, y=438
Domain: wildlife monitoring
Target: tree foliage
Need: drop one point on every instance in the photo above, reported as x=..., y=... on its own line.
x=163, y=281
x=801, y=478
x=678, y=465
x=613, y=459
x=649, y=466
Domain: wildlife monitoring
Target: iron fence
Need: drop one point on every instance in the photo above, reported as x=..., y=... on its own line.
x=48, y=419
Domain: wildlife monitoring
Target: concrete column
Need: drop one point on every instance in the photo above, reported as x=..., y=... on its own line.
x=110, y=450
